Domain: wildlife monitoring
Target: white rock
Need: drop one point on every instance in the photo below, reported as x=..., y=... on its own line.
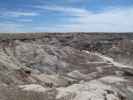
x=32, y=87
x=112, y=79
x=76, y=74
x=93, y=90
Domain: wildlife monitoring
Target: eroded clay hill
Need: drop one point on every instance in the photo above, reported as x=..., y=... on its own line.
x=66, y=66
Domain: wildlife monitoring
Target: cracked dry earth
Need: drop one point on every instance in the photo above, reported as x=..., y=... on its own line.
x=42, y=69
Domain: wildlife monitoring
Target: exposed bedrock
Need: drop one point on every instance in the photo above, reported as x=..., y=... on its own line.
x=67, y=66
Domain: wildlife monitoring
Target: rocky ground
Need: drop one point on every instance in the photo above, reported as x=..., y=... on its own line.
x=67, y=67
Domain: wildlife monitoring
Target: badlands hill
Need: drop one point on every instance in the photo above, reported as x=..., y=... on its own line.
x=66, y=66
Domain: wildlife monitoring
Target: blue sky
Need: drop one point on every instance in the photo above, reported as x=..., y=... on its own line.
x=66, y=15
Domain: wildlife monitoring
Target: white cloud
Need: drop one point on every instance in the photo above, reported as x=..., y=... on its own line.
x=19, y=14
x=66, y=10
x=25, y=20
x=80, y=20
x=111, y=20
x=10, y=27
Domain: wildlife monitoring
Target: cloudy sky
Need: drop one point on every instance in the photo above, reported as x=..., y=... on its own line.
x=66, y=15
